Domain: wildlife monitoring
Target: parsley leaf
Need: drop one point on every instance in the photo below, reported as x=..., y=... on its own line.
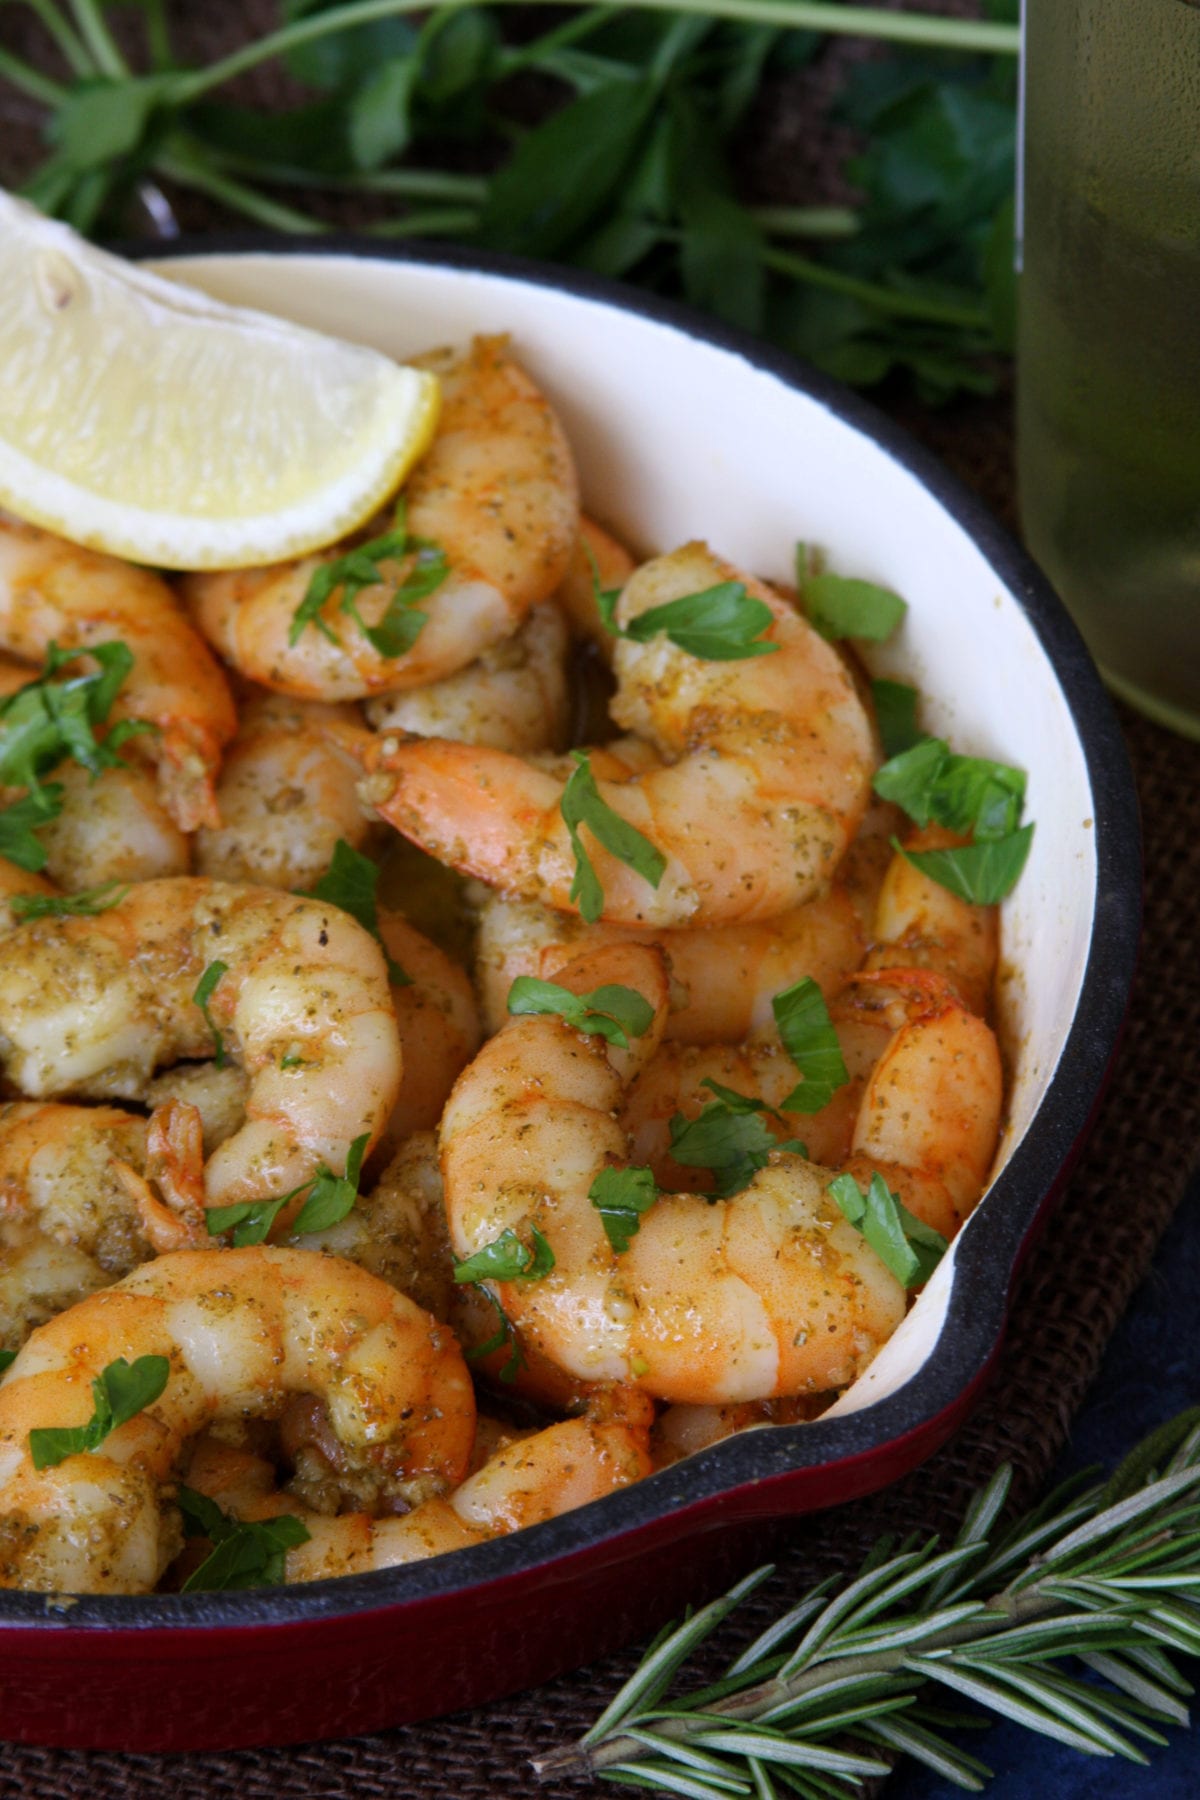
x=349, y=883
x=966, y=794
x=839, y=606
x=507, y=1258
x=812, y=1043
x=48, y=719
x=981, y=874
x=963, y=793
x=244, y=1554
x=910, y=1249
x=7, y=1358
x=249, y=1220
x=331, y=1196
x=119, y=1393
x=19, y=821
x=730, y=1138
x=612, y=1012
x=582, y=804
x=330, y=1199
x=402, y=623
x=58, y=906
x=719, y=624
x=621, y=1196
x=506, y=1333
x=896, y=715
x=205, y=988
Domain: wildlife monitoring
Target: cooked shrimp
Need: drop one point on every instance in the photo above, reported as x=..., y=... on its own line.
x=681, y=1431
x=597, y=554
x=93, y=1006
x=496, y=492
x=529, y=1478
x=55, y=592
x=112, y=827
x=921, y=1106
x=66, y=1221
x=765, y=774
x=771, y=1292
x=513, y=697
x=285, y=797
x=918, y=923
x=724, y=977
x=438, y=1022
x=242, y=1330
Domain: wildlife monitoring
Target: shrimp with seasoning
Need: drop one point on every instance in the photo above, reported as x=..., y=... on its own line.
x=772, y=1292
x=496, y=492
x=242, y=1330
x=53, y=592
x=285, y=797
x=723, y=977
x=921, y=1108
x=527, y=1478
x=93, y=1006
x=763, y=772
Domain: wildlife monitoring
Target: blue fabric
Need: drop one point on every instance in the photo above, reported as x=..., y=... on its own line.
x=1151, y=1371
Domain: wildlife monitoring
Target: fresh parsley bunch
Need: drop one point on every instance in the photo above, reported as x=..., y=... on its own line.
x=635, y=170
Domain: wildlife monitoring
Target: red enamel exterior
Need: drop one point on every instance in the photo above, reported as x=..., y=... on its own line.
x=223, y=1689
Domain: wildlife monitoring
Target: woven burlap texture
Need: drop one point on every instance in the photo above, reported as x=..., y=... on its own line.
x=1092, y=1256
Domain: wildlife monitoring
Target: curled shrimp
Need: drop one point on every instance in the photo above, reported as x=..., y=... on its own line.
x=527, y=1478
x=285, y=797
x=763, y=774
x=770, y=1292
x=513, y=697
x=921, y=1107
x=113, y=827
x=52, y=592
x=242, y=1330
x=297, y=992
x=918, y=923
x=496, y=492
x=723, y=977
x=66, y=1223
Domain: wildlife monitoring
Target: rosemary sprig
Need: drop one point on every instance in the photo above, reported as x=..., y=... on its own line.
x=1064, y=1621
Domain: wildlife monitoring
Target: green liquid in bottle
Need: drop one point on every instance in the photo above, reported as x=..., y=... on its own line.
x=1109, y=335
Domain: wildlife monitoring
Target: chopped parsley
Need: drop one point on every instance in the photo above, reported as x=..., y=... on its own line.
x=119, y=1393
x=839, y=606
x=244, y=1554
x=61, y=906
x=205, y=988
x=621, y=1197
x=350, y=884
x=331, y=1198
x=582, y=804
x=910, y=1249
x=612, y=1012
x=359, y=569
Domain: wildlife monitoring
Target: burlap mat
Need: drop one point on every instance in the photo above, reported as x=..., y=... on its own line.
x=1091, y=1258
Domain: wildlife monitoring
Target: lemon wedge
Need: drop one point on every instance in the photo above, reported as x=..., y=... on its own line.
x=142, y=418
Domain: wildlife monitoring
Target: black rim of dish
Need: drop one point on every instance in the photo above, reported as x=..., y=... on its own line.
x=988, y=1253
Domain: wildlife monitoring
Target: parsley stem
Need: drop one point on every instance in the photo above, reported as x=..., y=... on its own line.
x=807, y=221
x=98, y=38
x=883, y=299
x=186, y=168
x=405, y=184
x=435, y=221
x=73, y=51
x=29, y=81
x=569, y=32
x=813, y=15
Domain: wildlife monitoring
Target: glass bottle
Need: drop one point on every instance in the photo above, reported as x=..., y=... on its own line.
x=1108, y=371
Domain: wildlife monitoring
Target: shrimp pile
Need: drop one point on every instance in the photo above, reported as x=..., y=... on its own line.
x=403, y=1139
